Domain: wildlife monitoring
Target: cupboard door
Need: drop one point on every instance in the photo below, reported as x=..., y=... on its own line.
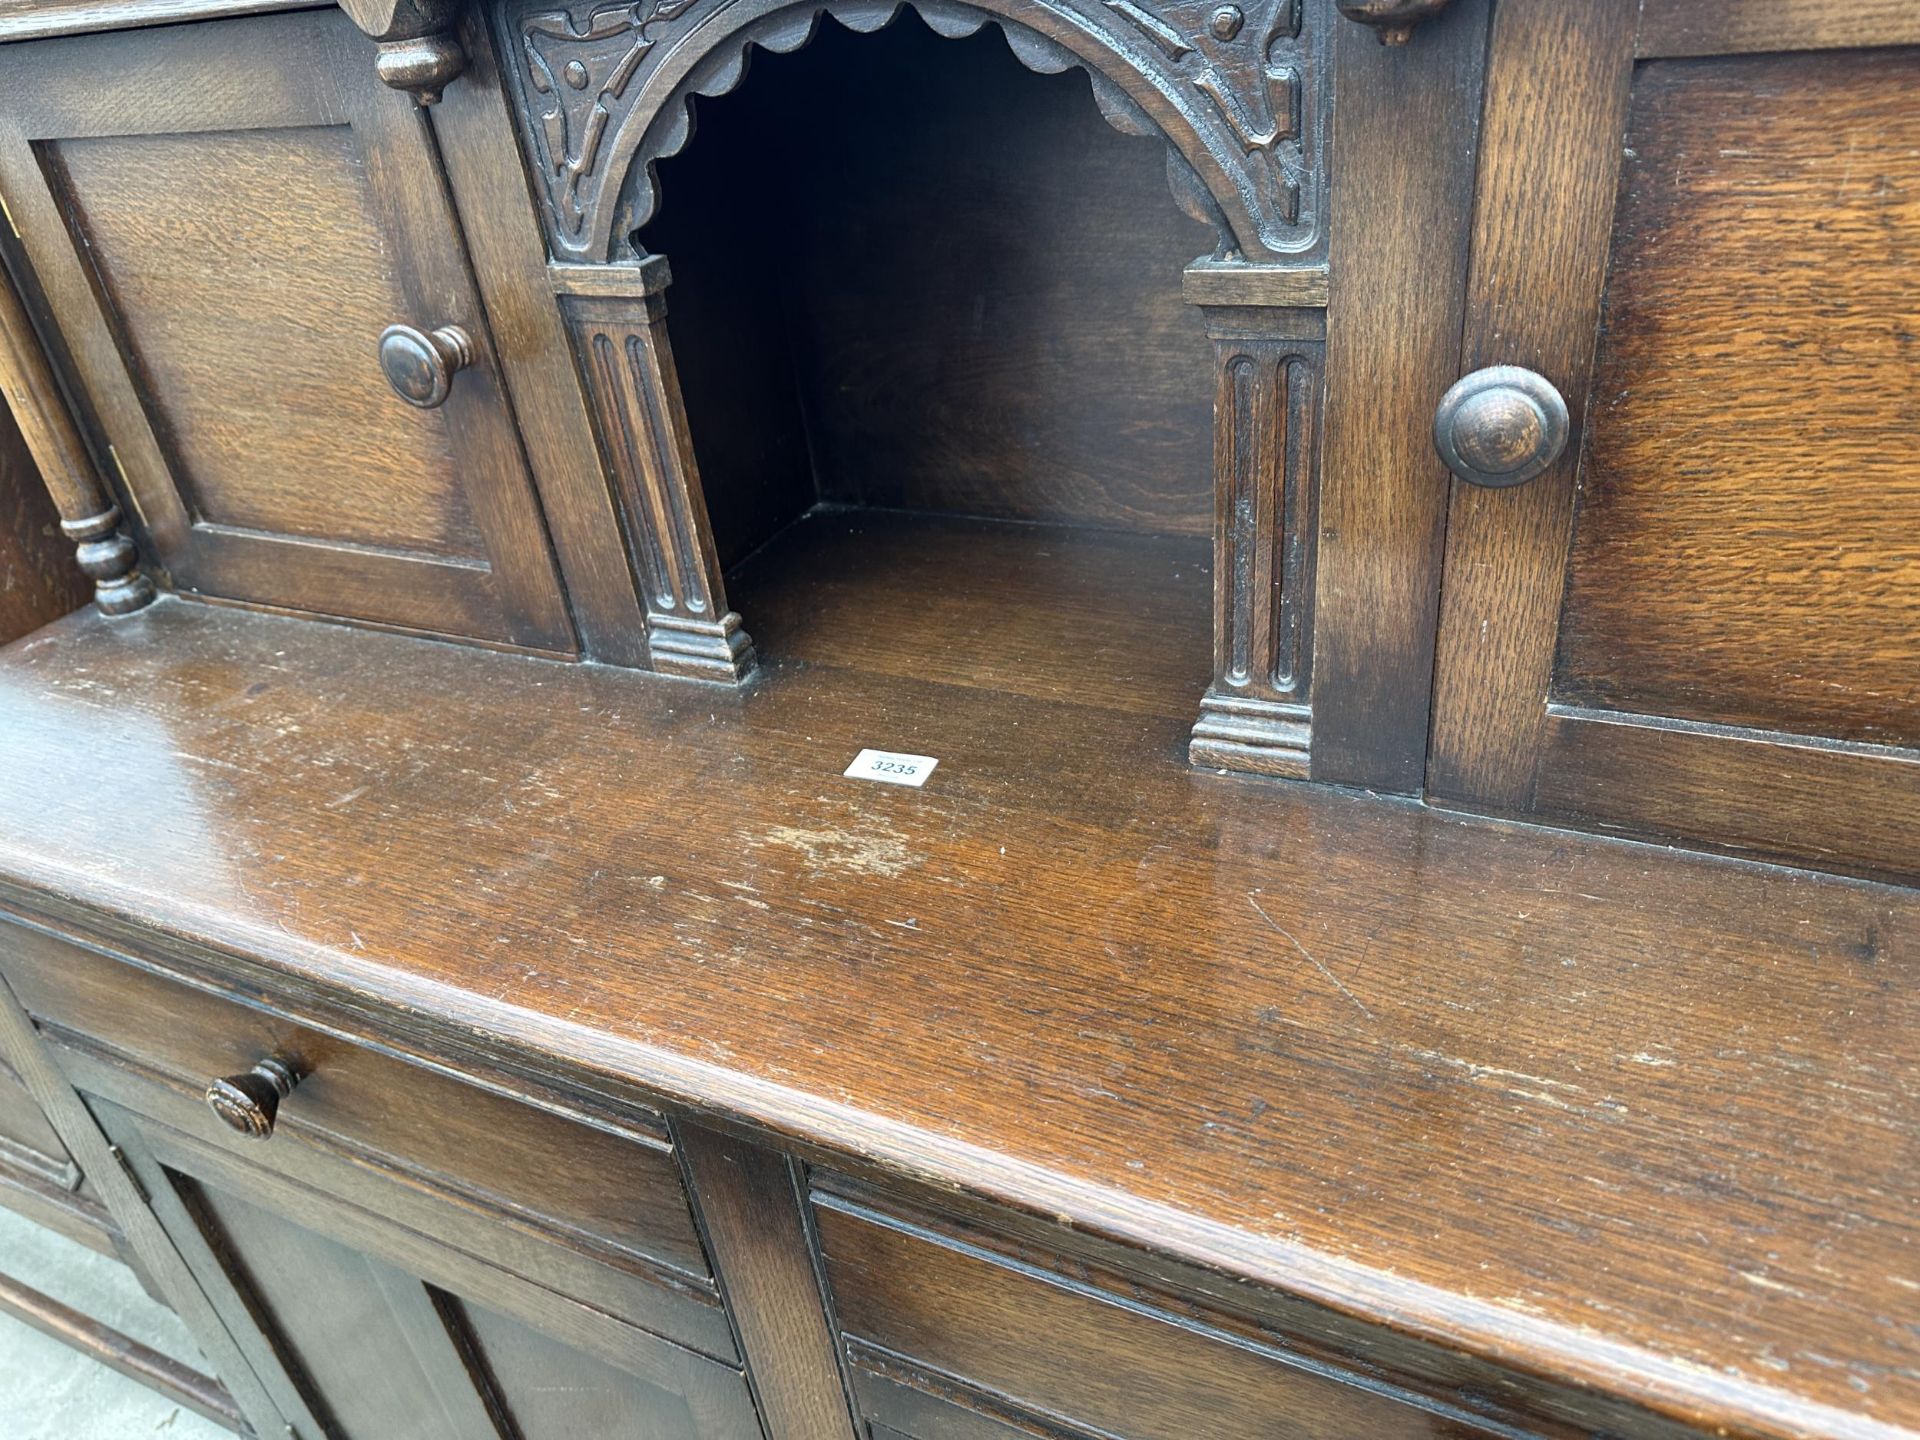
x=352, y=1346
x=224, y=219
x=1699, y=622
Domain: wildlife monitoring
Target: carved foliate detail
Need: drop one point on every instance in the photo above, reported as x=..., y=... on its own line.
x=604, y=93
x=580, y=72
x=1248, y=62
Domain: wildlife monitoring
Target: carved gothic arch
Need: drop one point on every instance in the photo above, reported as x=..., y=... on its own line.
x=1233, y=91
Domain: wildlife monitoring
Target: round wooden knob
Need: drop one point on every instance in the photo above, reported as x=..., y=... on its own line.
x=1500, y=426
x=1392, y=20
x=248, y=1103
x=420, y=365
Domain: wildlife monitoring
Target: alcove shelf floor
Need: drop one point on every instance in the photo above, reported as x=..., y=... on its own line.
x=1055, y=613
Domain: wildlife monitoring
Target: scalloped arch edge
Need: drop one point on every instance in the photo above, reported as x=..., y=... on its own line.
x=786, y=31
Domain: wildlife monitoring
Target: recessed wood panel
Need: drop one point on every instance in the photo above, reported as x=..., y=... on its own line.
x=1747, y=547
x=367, y=1367
x=27, y=1140
x=250, y=281
x=557, y=1392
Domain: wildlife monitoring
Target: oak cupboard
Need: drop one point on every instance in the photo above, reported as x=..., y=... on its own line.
x=1327, y=483
x=1700, y=622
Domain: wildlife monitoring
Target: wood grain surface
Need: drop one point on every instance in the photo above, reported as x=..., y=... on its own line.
x=39, y=580
x=1748, y=543
x=1557, y=87
x=1727, y=27
x=1403, y=166
x=1611, y=1113
x=223, y=218
x=1047, y=611
x=266, y=369
x=25, y=19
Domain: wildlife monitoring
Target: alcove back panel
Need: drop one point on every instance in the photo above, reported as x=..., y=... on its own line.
x=909, y=273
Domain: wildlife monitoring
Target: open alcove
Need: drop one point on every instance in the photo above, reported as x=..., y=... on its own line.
x=952, y=416
x=944, y=344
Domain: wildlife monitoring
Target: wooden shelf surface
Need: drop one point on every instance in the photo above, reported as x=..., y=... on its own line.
x=1088, y=617
x=1616, y=1114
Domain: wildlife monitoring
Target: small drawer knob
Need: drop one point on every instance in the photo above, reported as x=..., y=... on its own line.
x=248, y=1103
x=1500, y=426
x=420, y=364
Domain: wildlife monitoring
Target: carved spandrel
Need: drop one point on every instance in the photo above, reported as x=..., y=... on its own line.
x=604, y=92
x=579, y=73
x=1248, y=62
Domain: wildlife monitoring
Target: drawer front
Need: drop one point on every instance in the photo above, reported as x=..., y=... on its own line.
x=601, y=1215
x=947, y=1339
x=225, y=218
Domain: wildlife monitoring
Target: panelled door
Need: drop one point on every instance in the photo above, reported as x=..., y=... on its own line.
x=225, y=219
x=358, y=1328
x=1699, y=222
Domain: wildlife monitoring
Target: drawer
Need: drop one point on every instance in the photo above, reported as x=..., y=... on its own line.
x=948, y=1339
x=593, y=1211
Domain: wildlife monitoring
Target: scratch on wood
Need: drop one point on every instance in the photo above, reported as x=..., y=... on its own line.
x=1309, y=956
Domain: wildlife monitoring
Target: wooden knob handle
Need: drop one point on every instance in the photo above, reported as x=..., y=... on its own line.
x=1500, y=426
x=420, y=364
x=248, y=1103
x=1392, y=20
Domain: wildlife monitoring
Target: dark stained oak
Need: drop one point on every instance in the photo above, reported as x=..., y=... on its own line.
x=1077, y=617
x=25, y=19
x=1748, y=548
x=551, y=1173
x=489, y=187
x=608, y=1062
x=977, y=282
x=158, y=1264
x=38, y=578
x=36, y=422
x=288, y=1265
x=1403, y=160
x=1696, y=625
x=1557, y=87
x=752, y=1215
x=554, y=1391
x=1161, y=1374
x=224, y=218
x=1610, y=1113
x=1726, y=27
